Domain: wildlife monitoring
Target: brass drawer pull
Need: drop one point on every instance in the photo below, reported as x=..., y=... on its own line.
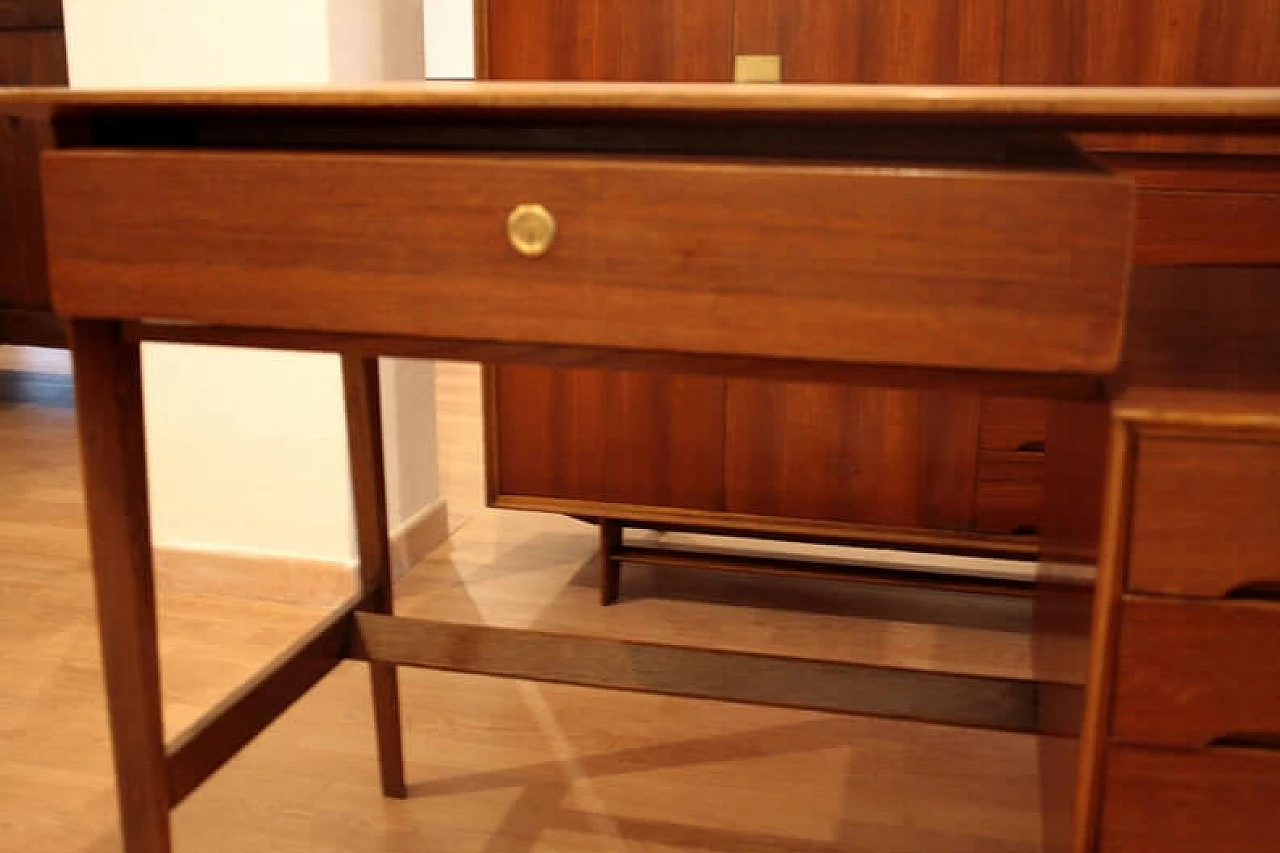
x=531, y=229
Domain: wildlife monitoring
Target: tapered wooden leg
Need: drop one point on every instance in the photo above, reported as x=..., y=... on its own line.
x=108, y=386
x=610, y=566
x=368, y=482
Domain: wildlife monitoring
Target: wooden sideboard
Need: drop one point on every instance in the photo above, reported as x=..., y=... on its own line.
x=950, y=471
x=32, y=53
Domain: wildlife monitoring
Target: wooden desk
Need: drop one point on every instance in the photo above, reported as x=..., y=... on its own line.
x=929, y=237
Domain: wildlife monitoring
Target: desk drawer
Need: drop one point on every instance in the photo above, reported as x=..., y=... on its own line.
x=1214, y=801
x=991, y=269
x=1206, y=517
x=1192, y=672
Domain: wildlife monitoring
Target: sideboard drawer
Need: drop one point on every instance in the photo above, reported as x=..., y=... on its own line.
x=1003, y=269
x=1212, y=801
x=1206, y=516
x=1009, y=492
x=1013, y=423
x=1190, y=673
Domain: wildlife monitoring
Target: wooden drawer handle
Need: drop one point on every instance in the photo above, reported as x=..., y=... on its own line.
x=531, y=229
x=1031, y=447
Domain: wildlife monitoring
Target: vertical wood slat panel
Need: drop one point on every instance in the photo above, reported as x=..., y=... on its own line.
x=876, y=41
x=27, y=58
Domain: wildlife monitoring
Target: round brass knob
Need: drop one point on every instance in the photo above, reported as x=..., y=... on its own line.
x=531, y=229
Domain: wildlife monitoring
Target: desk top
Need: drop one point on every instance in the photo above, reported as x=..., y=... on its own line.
x=759, y=258
x=1077, y=107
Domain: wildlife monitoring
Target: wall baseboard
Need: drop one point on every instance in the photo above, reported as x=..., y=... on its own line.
x=293, y=580
x=419, y=535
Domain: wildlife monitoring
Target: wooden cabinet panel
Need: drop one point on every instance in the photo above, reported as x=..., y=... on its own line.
x=27, y=57
x=816, y=451
x=1014, y=423
x=1143, y=42
x=865, y=456
x=685, y=40
x=876, y=41
x=1214, y=801
x=30, y=14
x=621, y=437
x=1147, y=43
x=1009, y=492
x=647, y=439
x=1188, y=227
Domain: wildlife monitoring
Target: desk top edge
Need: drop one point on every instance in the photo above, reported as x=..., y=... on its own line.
x=1047, y=104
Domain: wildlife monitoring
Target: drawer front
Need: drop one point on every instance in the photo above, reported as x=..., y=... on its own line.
x=1189, y=673
x=1010, y=492
x=1007, y=270
x=1216, y=801
x=1191, y=227
x=1014, y=423
x=1206, y=517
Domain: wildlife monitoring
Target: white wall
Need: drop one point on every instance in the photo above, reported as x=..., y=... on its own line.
x=247, y=449
x=450, y=38
x=375, y=40
x=196, y=42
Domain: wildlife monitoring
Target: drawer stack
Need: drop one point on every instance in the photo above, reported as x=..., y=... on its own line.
x=1191, y=760
x=1010, y=477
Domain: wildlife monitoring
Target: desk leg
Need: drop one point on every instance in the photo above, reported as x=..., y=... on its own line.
x=108, y=385
x=1076, y=457
x=369, y=488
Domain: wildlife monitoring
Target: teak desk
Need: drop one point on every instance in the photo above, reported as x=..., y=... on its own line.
x=945, y=237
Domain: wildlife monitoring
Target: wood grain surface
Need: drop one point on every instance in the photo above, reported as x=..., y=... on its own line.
x=842, y=453
x=1217, y=801
x=108, y=383
x=757, y=259
x=1142, y=42
x=1061, y=107
x=27, y=57
x=1146, y=43
x=233, y=723
x=784, y=528
x=496, y=763
x=363, y=407
x=675, y=670
x=1008, y=491
x=1206, y=327
x=30, y=14
x=1013, y=423
x=875, y=41
x=1085, y=472
x=620, y=40
x=615, y=436
x=1204, y=516
x=1190, y=673
x=1190, y=227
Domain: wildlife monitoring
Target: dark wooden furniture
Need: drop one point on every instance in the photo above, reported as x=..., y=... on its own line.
x=1183, y=725
x=910, y=468
x=32, y=53
x=228, y=218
